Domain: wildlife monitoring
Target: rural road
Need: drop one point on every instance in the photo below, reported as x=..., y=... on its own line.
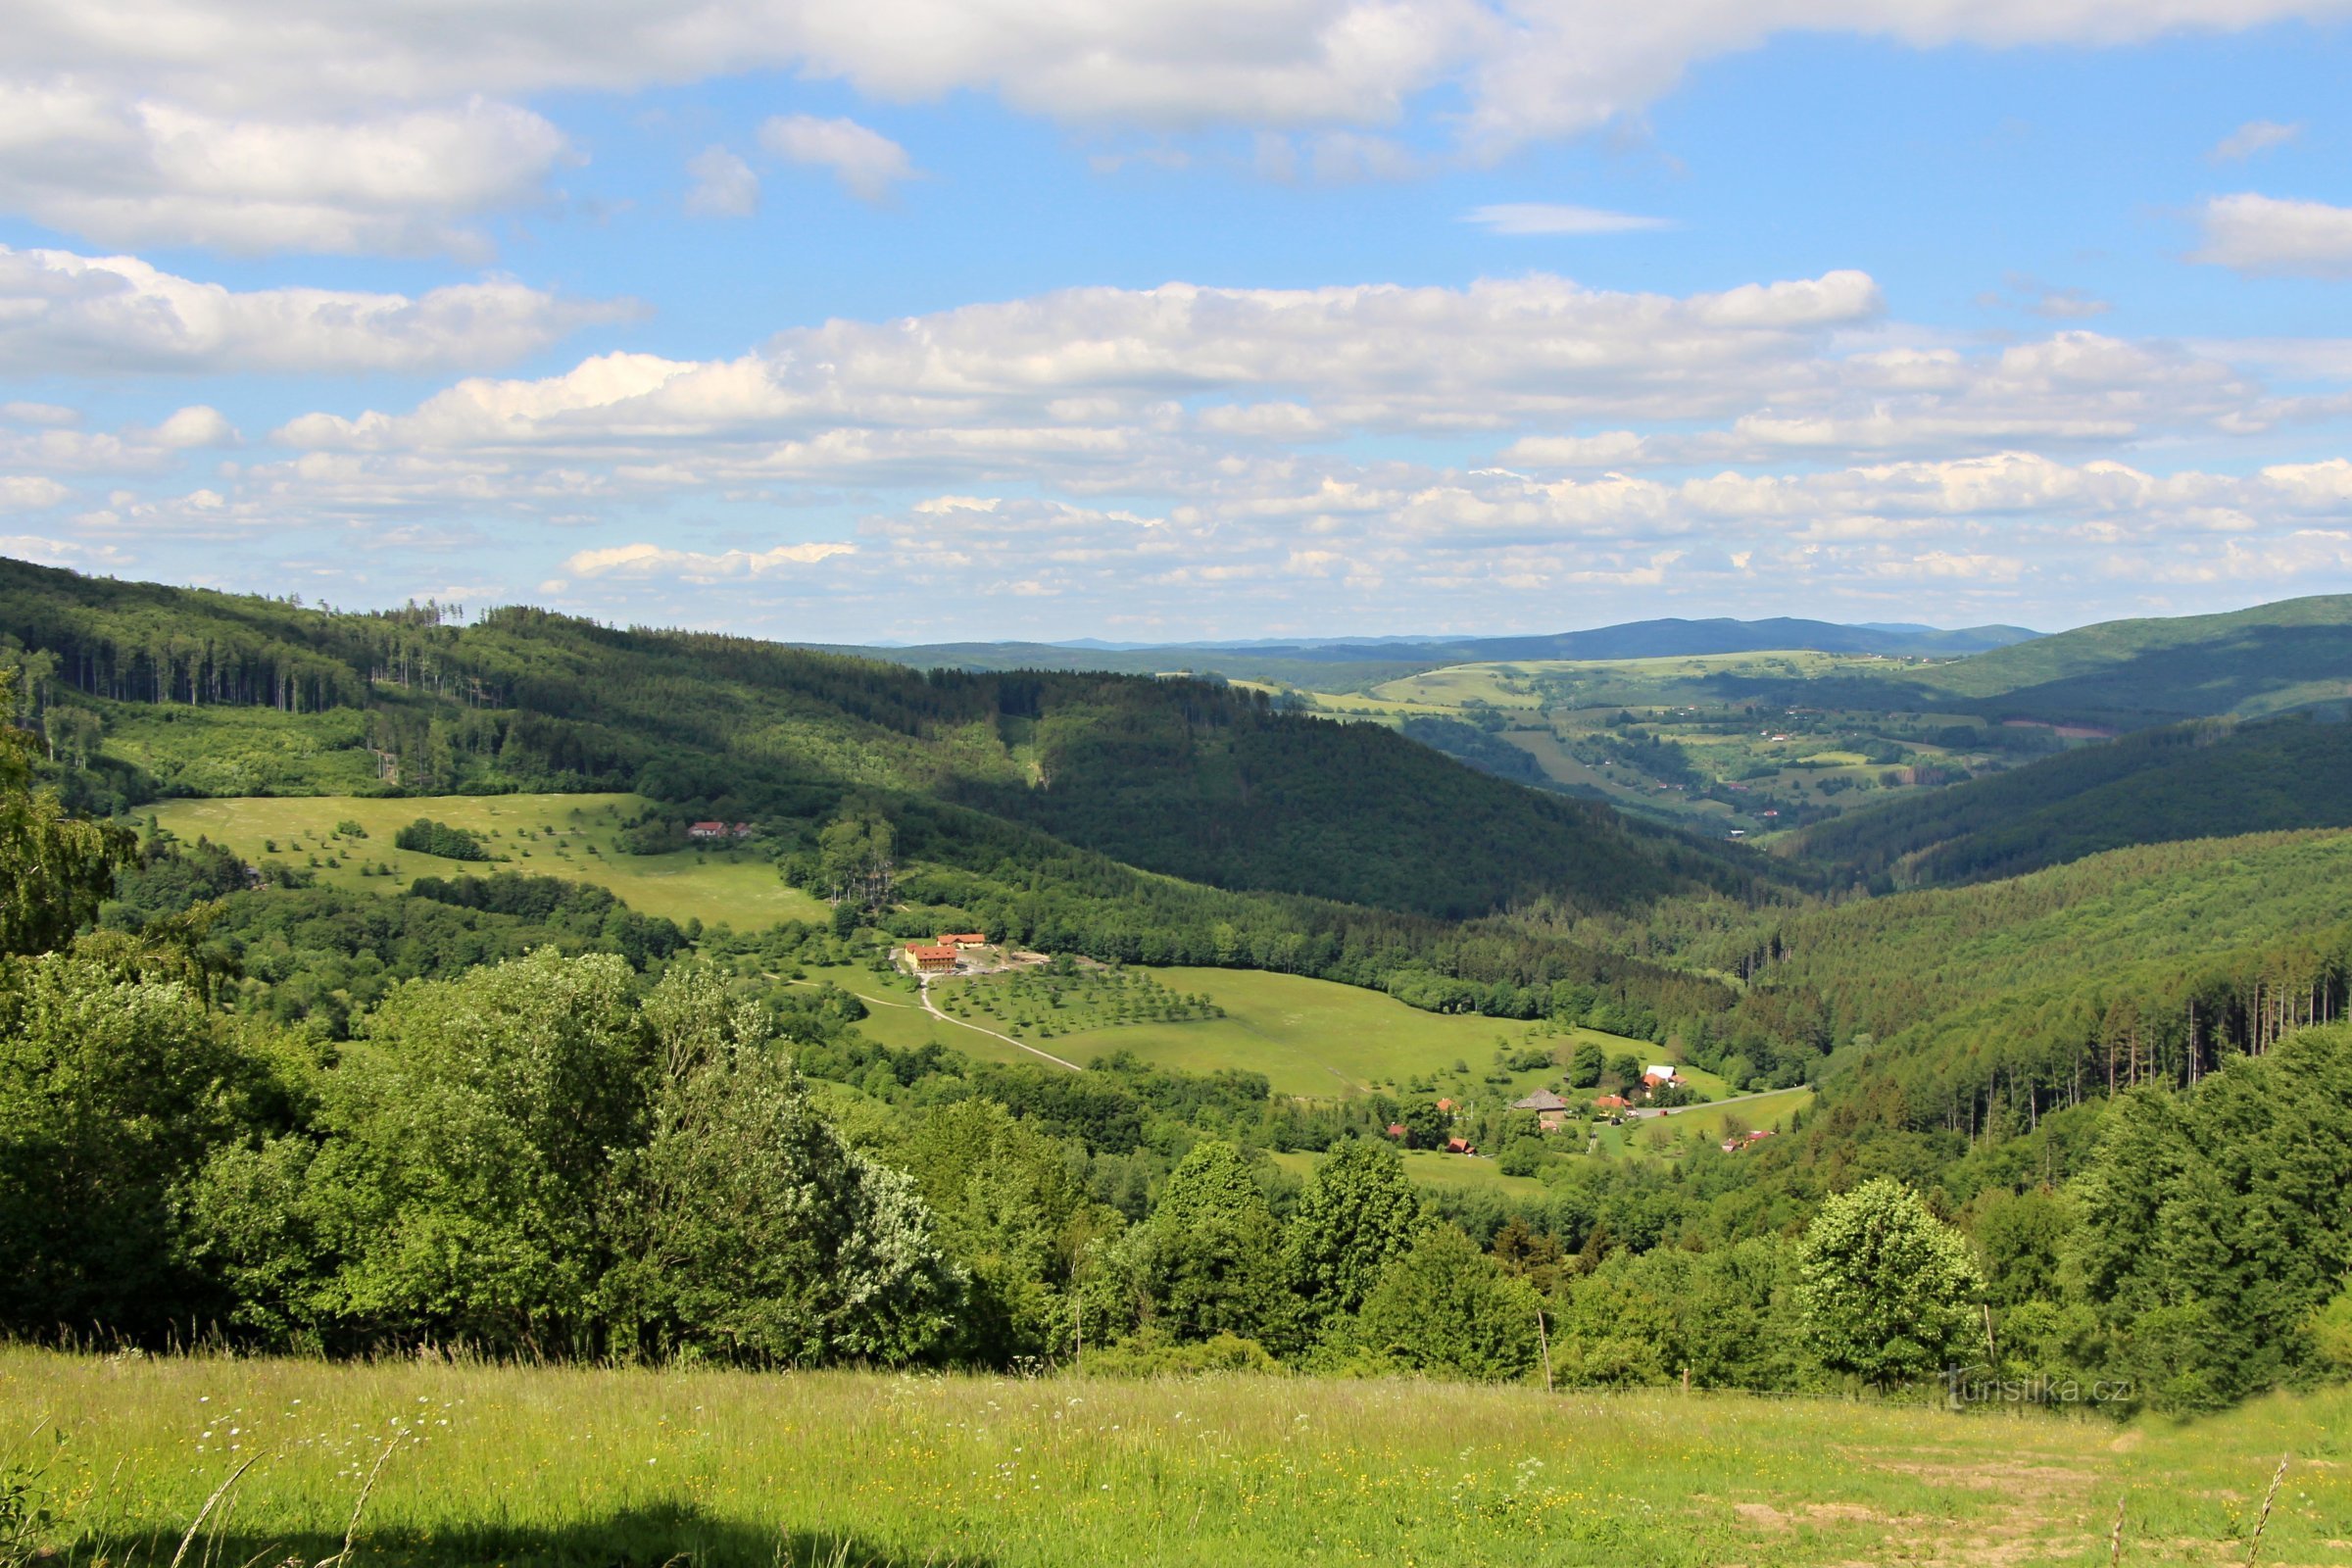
x=932, y=1009
x=1643, y=1113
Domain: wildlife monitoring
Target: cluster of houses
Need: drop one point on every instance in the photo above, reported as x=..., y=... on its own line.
x=1552, y=1114
x=942, y=956
x=716, y=832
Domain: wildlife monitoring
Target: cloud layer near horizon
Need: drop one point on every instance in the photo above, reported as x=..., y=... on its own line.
x=1128, y=458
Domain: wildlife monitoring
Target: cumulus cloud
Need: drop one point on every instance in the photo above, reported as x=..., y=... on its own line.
x=63, y=312
x=2267, y=237
x=657, y=560
x=30, y=492
x=865, y=162
x=724, y=185
x=253, y=125
x=2254, y=136
x=1554, y=217
x=135, y=170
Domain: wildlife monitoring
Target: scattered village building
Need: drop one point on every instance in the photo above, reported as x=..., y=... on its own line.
x=1551, y=1111
x=1397, y=1130
x=705, y=832
x=1460, y=1146
x=929, y=960
x=1733, y=1146
x=1659, y=1075
x=964, y=939
x=1611, y=1102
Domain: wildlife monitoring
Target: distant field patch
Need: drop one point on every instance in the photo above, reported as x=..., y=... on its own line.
x=1315, y=1038
x=570, y=836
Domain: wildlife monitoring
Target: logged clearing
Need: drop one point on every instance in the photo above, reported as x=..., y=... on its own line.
x=570, y=836
x=591, y=1467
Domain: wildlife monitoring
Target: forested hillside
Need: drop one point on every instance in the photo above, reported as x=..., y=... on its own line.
x=2212, y=778
x=2132, y=674
x=1962, y=1025
x=1034, y=800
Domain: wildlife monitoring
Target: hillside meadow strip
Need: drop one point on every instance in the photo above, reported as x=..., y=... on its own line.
x=529, y=1466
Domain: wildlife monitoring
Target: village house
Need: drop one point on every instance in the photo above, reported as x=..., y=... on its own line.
x=1660, y=1075
x=706, y=832
x=964, y=939
x=1551, y=1111
x=929, y=960
x=1611, y=1102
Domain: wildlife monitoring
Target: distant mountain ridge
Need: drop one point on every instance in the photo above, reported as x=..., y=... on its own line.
x=1299, y=659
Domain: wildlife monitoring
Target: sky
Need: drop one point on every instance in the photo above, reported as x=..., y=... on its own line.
x=864, y=320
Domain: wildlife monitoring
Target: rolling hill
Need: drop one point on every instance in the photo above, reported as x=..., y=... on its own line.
x=2209, y=778
x=1345, y=664
x=1173, y=821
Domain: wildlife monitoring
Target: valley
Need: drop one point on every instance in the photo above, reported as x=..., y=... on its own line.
x=543, y=993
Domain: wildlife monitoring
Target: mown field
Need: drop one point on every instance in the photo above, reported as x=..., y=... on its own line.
x=572, y=836
x=550, y=1468
x=1313, y=1037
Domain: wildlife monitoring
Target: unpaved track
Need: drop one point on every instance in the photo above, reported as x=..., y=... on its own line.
x=932, y=1009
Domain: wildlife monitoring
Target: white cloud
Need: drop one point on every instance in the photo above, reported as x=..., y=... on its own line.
x=253, y=124
x=2267, y=237
x=657, y=560
x=30, y=492
x=2254, y=136
x=865, y=162
x=61, y=311
x=1554, y=217
x=724, y=185
x=135, y=169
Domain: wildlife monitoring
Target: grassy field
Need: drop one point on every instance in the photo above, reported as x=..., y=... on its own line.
x=536, y=1468
x=1309, y=1037
x=1698, y=1126
x=568, y=836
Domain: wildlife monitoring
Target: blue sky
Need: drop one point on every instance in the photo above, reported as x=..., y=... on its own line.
x=918, y=322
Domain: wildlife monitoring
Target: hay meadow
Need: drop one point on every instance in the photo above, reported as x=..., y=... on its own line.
x=529, y=1466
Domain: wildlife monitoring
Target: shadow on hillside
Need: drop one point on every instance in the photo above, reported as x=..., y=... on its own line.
x=659, y=1536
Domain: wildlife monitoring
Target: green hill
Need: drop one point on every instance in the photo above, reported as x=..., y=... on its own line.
x=2132, y=672
x=1168, y=821
x=1963, y=1022
x=2211, y=778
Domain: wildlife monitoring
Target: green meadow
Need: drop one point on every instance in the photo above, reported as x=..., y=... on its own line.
x=421, y=1463
x=1311, y=1038
x=571, y=836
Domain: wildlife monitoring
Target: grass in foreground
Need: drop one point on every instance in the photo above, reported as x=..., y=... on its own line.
x=533, y=1468
x=570, y=836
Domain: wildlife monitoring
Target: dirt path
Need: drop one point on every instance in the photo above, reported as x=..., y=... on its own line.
x=932, y=1009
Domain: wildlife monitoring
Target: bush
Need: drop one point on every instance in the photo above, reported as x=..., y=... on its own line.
x=427, y=837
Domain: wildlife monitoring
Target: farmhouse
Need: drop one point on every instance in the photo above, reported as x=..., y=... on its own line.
x=1551, y=1111
x=1659, y=1076
x=1610, y=1103
x=706, y=832
x=931, y=959
x=964, y=939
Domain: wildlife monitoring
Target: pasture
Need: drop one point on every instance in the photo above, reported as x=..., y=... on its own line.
x=1311, y=1038
x=570, y=836
x=423, y=1463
